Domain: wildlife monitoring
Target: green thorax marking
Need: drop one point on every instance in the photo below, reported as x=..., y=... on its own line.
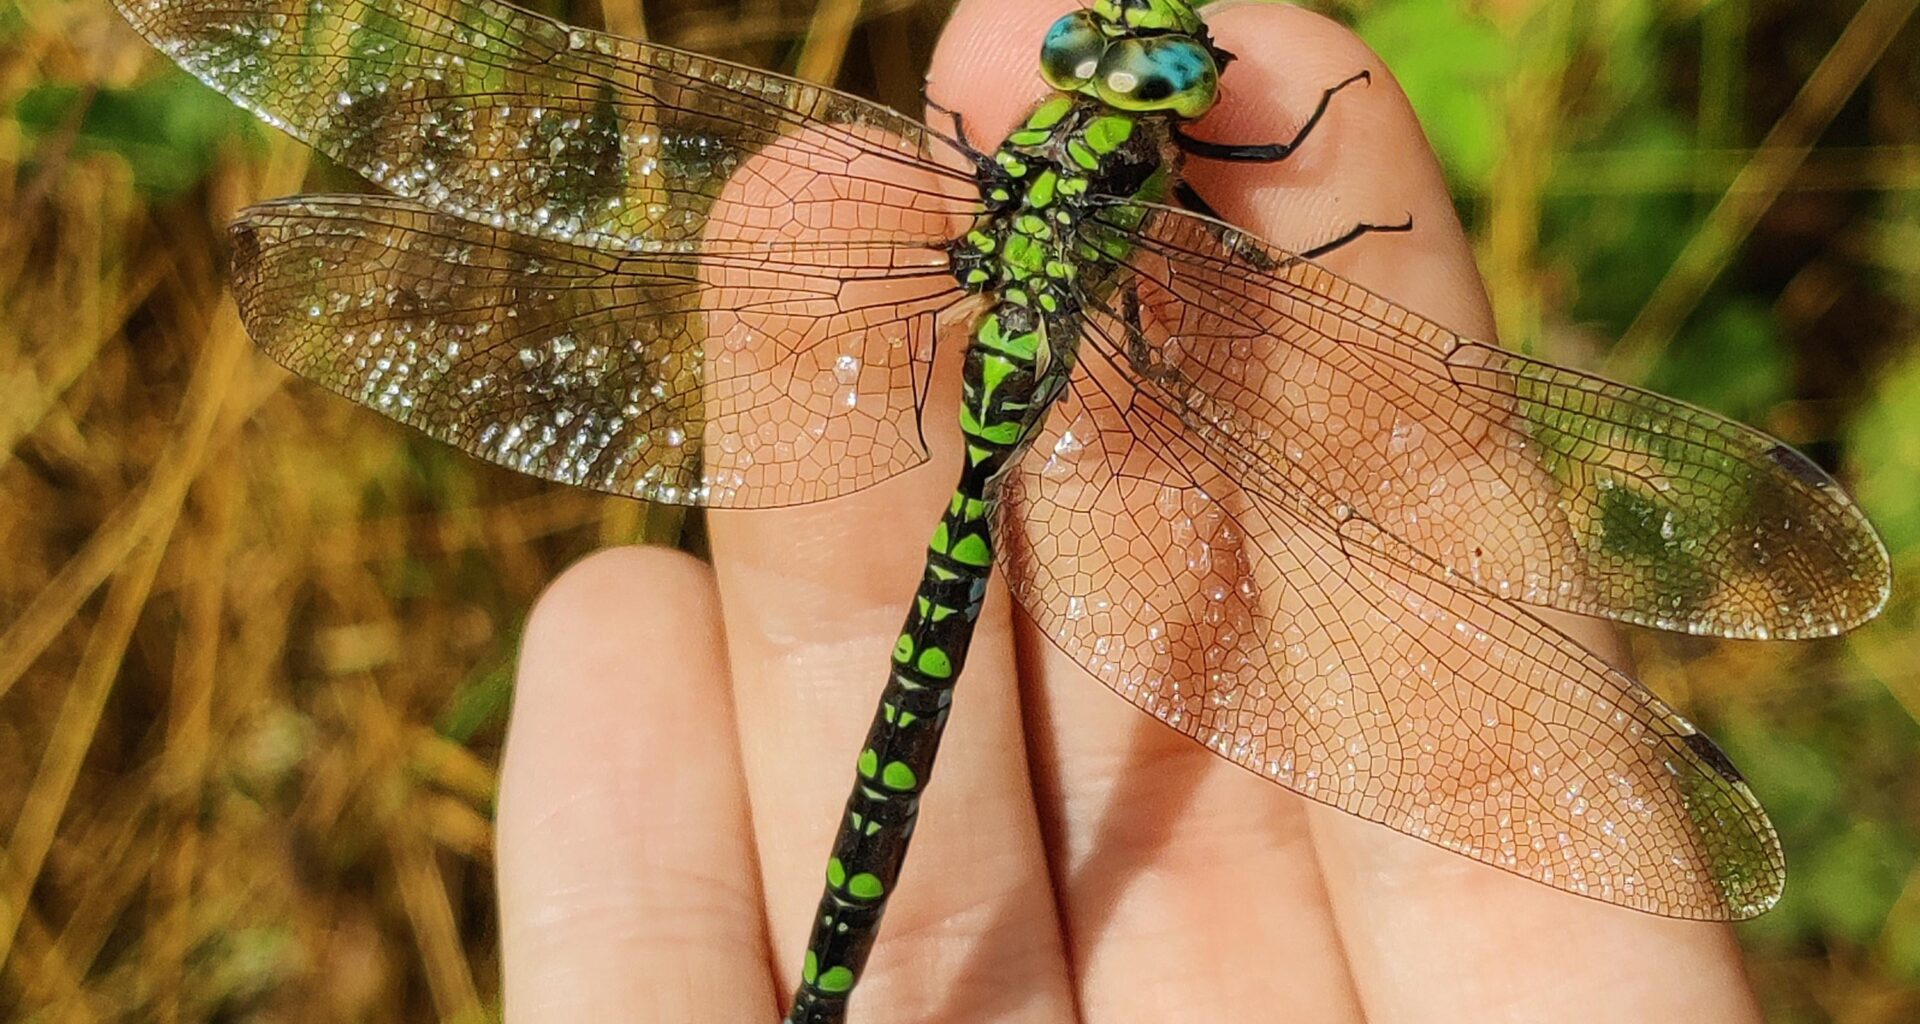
x=1072, y=153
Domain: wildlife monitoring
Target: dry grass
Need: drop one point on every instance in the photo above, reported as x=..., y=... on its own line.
x=255, y=644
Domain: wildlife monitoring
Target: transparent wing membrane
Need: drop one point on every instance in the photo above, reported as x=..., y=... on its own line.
x=1325, y=654
x=484, y=111
x=1541, y=484
x=753, y=376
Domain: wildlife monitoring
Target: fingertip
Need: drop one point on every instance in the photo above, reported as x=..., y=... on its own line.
x=1366, y=161
x=987, y=64
x=608, y=594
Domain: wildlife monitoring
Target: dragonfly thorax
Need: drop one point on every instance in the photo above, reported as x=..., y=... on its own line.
x=1039, y=248
x=1033, y=247
x=1070, y=157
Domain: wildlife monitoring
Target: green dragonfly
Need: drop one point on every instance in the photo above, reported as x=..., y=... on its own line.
x=1300, y=524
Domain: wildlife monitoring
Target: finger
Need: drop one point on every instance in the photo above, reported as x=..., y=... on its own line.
x=814, y=598
x=627, y=883
x=1173, y=865
x=1514, y=949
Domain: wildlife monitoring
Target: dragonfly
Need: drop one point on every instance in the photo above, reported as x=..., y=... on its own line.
x=1300, y=524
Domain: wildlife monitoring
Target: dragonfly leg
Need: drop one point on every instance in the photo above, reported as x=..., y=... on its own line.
x=1270, y=153
x=1186, y=195
x=1359, y=231
x=959, y=128
x=1193, y=200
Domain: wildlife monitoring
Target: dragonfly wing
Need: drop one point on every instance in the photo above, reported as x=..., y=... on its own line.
x=1542, y=484
x=1333, y=659
x=753, y=376
x=485, y=111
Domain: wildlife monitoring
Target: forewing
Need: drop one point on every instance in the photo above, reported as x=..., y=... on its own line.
x=754, y=376
x=1327, y=656
x=488, y=112
x=1539, y=483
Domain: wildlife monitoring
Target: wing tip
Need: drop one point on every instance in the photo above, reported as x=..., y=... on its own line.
x=1740, y=848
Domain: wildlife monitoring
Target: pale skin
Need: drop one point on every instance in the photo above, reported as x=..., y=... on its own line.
x=684, y=733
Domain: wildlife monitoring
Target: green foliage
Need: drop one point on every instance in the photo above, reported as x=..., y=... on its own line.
x=1451, y=63
x=169, y=129
x=1885, y=444
x=1835, y=773
x=1733, y=361
x=481, y=704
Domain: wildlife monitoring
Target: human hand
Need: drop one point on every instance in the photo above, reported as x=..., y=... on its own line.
x=683, y=736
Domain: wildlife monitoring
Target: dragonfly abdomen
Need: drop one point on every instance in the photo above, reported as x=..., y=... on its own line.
x=1003, y=401
x=897, y=758
x=1028, y=254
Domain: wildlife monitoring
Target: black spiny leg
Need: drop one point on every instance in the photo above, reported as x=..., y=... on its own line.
x=1184, y=194
x=959, y=128
x=1192, y=200
x=1356, y=234
x=1272, y=153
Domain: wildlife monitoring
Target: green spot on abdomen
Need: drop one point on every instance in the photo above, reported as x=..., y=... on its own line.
x=836, y=980
x=865, y=886
x=972, y=550
x=935, y=664
x=836, y=872
x=903, y=649
x=1019, y=346
x=899, y=777
x=1005, y=433
x=869, y=763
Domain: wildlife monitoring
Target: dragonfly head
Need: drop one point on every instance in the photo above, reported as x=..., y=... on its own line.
x=1139, y=56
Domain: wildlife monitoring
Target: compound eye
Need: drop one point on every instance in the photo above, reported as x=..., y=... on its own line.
x=1071, y=53
x=1164, y=73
